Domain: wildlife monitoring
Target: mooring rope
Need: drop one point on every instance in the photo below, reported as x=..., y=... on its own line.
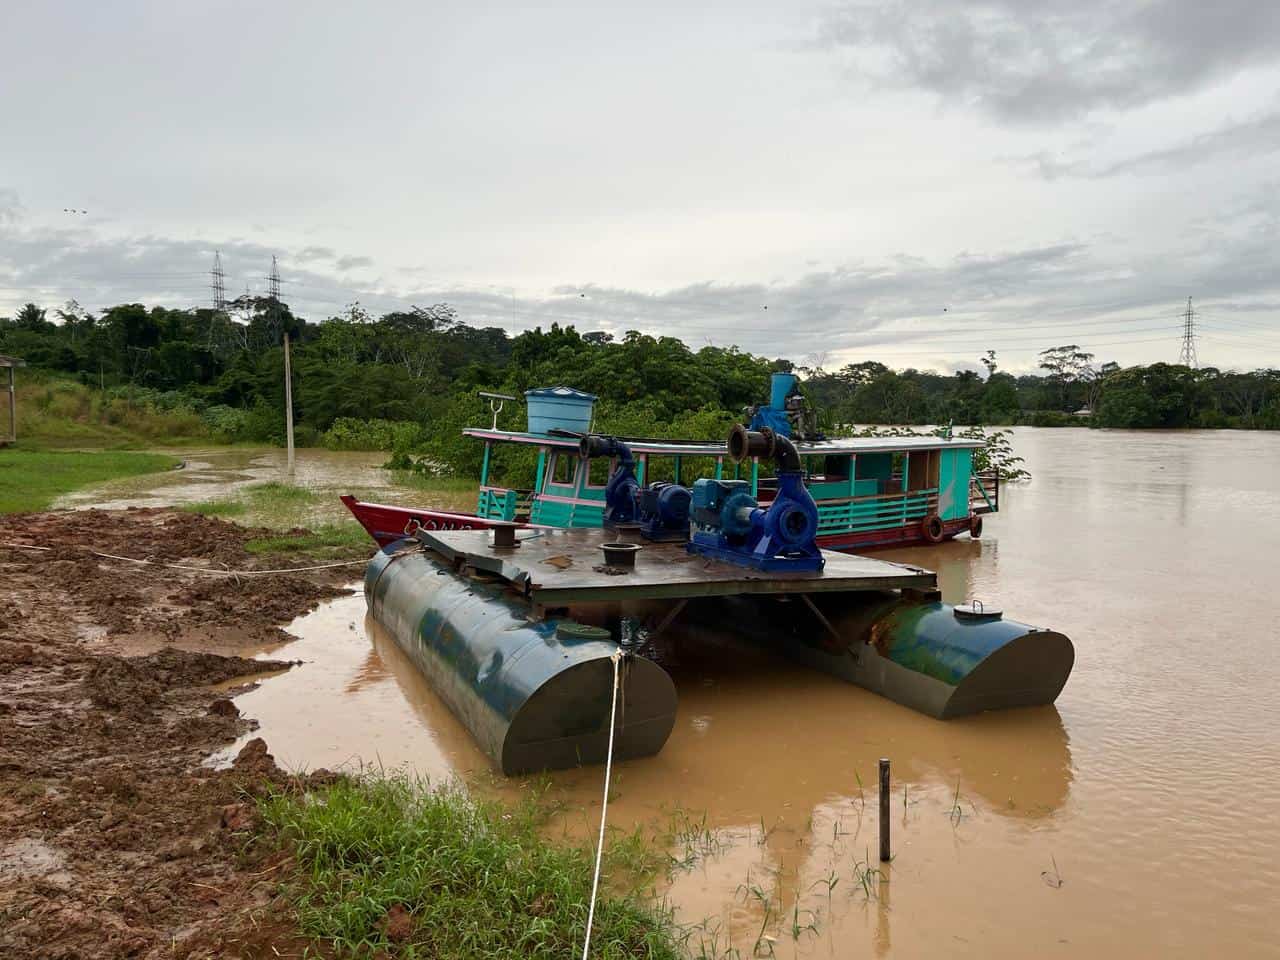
x=188, y=567
x=604, y=804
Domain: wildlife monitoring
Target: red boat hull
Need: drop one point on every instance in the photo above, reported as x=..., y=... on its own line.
x=387, y=524
x=889, y=537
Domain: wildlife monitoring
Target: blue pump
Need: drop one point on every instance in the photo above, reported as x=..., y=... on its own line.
x=622, y=491
x=728, y=523
x=664, y=511
x=660, y=509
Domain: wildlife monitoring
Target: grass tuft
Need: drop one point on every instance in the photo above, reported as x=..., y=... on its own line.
x=33, y=479
x=476, y=880
x=329, y=536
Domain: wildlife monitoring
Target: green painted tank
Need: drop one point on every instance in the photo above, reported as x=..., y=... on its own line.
x=534, y=694
x=941, y=660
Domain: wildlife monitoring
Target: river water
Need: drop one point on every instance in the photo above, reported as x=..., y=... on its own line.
x=1138, y=817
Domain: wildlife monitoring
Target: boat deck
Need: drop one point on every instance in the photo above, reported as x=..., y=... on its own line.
x=554, y=567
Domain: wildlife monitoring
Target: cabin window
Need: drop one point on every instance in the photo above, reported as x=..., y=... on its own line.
x=836, y=466
x=598, y=470
x=922, y=469
x=564, y=468
x=876, y=467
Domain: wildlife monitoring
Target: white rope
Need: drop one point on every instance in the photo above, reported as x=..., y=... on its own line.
x=180, y=566
x=604, y=804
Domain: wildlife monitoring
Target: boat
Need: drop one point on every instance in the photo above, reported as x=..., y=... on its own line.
x=531, y=633
x=870, y=491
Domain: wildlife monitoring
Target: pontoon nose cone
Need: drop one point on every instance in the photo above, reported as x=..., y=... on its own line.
x=565, y=723
x=1028, y=670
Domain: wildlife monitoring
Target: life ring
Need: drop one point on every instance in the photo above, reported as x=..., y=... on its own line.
x=975, y=526
x=932, y=528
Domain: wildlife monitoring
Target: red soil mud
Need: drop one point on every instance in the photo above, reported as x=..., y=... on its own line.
x=115, y=839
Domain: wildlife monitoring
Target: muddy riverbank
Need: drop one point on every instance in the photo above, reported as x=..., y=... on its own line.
x=115, y=839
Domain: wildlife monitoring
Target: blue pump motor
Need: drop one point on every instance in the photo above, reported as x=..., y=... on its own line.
x=623, y=489
x=730, y=525
x=664, y=511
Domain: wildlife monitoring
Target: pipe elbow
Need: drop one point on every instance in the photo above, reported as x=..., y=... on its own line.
x=745, y=443
x=594, y=445
x=786, y=455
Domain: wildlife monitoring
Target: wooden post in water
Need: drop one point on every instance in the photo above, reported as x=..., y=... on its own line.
x=288, y=404
x=886, y=852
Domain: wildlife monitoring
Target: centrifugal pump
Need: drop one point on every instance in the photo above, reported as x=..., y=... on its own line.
x=622, y=491
x=729, y=524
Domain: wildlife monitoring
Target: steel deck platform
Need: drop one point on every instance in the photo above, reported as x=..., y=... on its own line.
x=555, y=567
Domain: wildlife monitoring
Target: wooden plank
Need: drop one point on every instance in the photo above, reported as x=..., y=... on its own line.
x=554, y=567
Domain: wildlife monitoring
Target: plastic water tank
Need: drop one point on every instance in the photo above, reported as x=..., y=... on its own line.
x=559, y=408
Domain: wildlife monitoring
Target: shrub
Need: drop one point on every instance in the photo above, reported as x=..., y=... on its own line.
x=351, y=433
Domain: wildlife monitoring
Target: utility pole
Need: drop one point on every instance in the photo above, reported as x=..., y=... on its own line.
x=288, y=403
x=1187, y=356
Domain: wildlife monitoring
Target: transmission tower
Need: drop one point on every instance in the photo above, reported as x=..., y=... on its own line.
x=219, y=283
x=273, y=303
x=1187, y=356
x=274, y=289
x=221, y=334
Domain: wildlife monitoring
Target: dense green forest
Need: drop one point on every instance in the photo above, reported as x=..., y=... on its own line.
x=409, y=379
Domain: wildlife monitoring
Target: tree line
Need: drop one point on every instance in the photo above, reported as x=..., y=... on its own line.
x=355, y=374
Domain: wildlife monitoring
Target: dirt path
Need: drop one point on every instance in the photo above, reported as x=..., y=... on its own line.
x=115, y=840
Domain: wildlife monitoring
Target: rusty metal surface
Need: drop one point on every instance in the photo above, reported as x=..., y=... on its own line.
x=563, y=566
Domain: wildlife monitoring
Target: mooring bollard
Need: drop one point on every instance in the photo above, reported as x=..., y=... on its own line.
x=885, y=851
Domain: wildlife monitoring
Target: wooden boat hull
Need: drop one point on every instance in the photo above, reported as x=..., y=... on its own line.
x=387, y=524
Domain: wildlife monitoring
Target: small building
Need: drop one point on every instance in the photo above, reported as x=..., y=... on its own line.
x=10, y=435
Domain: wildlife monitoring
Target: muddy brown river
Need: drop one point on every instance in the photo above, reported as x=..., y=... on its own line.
x=1139, y=817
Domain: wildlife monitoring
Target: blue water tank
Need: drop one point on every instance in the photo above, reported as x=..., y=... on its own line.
x=559, y=408
x=780, y=387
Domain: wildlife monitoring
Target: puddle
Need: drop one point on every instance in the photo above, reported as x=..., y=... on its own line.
x=30, y=859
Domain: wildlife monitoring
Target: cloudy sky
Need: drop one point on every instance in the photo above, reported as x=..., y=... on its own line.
x=914, y=182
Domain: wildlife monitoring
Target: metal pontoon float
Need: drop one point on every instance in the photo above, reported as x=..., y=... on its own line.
x=515, y=629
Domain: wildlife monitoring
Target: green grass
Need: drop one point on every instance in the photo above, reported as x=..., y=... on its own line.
x=33, y=479
x=57, y=412
x=329, y=536
x=290, y=510
x=445, y=493
x=477, y=879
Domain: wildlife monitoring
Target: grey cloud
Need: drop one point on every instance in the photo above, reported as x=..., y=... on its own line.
x=311, y=253
x=10, y=207
x=1257, y=136
x=904, y=304
x=1032, y=62
x=352, y=263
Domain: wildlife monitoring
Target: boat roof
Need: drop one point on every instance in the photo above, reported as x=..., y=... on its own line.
x=716, y=448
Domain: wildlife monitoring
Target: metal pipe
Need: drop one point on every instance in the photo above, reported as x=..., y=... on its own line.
x=745, y=443
x=594, y=445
